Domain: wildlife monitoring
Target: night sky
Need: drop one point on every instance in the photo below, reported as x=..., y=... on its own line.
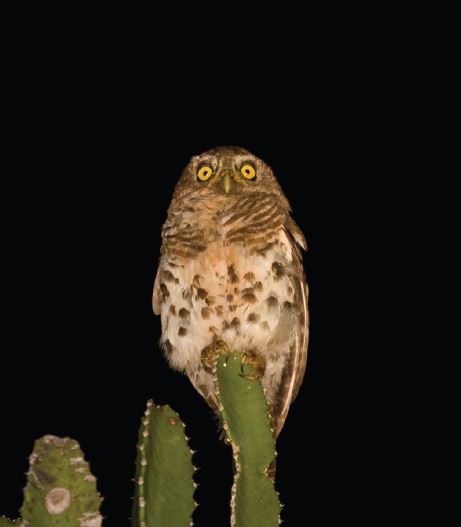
x=96, y=158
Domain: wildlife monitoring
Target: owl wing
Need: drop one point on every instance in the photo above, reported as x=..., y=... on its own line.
x=156, y=296
x=294, y=371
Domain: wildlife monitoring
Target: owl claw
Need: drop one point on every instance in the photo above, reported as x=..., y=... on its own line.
x=257, y=361
x=210, y=354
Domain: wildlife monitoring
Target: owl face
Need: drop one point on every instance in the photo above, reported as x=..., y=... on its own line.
x=228, y=171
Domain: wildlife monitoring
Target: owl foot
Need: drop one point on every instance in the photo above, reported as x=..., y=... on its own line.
x=257, y=361
x=209, y=355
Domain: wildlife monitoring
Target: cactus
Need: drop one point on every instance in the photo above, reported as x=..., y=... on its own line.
x=164, y=485
x=247, y=423
x=60, y=491
x=5, y=522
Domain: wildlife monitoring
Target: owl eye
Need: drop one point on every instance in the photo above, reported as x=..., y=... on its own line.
x=204, y=173
x=248, y=171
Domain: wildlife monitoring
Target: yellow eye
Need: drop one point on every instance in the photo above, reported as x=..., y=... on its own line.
x=204, y=172
x=248, y=172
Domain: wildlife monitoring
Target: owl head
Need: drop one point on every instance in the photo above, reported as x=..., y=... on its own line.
x=227, y=171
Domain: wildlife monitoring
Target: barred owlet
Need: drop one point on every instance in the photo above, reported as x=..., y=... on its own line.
x=230, y=272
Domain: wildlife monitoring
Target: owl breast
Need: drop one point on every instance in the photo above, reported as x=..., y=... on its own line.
x=238, y=291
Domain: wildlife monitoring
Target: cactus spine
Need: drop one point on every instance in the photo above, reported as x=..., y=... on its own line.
x=246, y=420
x=164, y=485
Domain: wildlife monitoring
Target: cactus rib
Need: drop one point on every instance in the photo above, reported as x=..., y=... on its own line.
x=244, y=411
x=164, y=485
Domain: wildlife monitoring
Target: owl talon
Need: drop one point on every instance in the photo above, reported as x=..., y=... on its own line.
x=210, y=354
x=258, y=362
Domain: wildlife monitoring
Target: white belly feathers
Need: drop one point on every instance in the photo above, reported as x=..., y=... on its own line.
x=244, y=299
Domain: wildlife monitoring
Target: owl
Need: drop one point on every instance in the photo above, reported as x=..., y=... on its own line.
x=230, y=274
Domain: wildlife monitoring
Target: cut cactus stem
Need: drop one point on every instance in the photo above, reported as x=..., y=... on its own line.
x=164, y=485
x=246, y=420
x=60, y=491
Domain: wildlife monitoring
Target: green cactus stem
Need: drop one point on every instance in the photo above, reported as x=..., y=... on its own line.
x=164, y=486
x=246, y=420
x=5, y=522
x=60, y=491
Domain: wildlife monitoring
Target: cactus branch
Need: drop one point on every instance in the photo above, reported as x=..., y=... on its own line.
x=246, y=420
x=164, y=485
x=60, y=491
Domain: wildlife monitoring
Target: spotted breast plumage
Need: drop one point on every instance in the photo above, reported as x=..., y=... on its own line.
x=230, y=271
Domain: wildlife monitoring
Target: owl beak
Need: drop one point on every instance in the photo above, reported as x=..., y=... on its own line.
x=226, y=183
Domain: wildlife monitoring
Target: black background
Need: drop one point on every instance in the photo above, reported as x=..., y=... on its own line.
x=95, y=143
